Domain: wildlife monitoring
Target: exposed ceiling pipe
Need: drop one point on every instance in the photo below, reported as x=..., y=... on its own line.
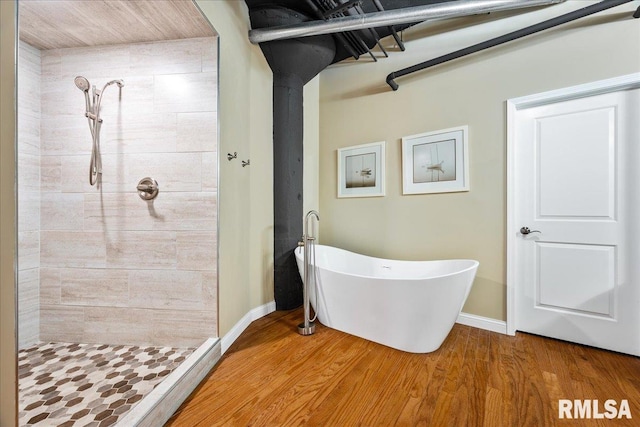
x=407, y=15
x=514, y=35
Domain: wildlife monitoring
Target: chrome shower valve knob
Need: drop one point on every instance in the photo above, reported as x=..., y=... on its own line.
x=148, y=188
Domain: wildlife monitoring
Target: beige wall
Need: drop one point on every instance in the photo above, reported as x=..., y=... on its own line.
x=245, y=194
x=8, y=362
x=356, y=107
x=311, y=190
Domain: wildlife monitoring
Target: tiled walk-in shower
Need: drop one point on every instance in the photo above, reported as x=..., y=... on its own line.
x=133, y=276
x=68, y=384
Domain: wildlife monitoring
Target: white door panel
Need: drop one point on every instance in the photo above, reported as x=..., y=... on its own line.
x=576, y=182
x=576, y=278
x=576, y=168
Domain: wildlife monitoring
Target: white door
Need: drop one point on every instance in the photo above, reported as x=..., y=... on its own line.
x=577, y=190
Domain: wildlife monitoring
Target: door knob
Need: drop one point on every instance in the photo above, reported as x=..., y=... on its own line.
x=525, y=230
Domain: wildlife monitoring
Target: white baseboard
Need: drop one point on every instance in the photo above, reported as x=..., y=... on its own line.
x=493, y=325
x=467, y=319
x=258, y=312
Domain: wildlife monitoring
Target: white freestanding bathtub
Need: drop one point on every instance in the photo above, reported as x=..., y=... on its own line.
x=407, y=305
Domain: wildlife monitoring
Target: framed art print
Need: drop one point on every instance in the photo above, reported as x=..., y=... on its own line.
x=436, y=162
x=361, y=170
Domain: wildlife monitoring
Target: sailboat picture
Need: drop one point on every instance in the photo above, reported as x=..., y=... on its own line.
x=361, y=170
x=436, y=162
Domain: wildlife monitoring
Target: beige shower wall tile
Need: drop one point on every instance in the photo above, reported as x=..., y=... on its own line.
x=64, y=134
x=169, y=211
x=61, y=323
x=162, y=289
x=185, y=93
x=210, y=289
x=60, y=96
x=116, y=211
x=99, y=64
x=166, y=57
x=197, y=131
x=50, y=173
x=62, y=211
x=28, y=250
x=196, y=250
x=28, y=211
x=29, y=307
x=28, y=289
x=155, y=134
x=117, y=325
x=141, y=249
x=29, y=78
x=122, y=172
x=28, y=131
x=30, y=58
x=73, y=249
x=209, y=47
x=28, y=99
x=74, y=174
x=173, y=171
x=185, y=211
x=50, y=63
x=50, y=291
x=28, y=103
x=94, y=287
x=131, y=103
x=209, y=171
x=28, y=172
x=183, y=328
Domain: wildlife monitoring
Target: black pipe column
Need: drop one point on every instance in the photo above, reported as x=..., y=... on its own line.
x=293, y=62
x=287, y=187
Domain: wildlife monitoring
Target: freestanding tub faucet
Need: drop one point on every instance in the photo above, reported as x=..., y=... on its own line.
x=308, y=327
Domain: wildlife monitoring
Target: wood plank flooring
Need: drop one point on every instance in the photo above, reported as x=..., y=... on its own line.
x=272, y=376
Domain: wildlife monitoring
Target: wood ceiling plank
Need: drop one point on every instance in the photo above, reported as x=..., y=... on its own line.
x=55, y=24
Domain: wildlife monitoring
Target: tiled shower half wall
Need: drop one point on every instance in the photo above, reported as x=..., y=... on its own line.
x=100, y=265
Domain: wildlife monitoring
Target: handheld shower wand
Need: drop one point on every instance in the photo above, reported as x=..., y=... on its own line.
x=92, y=114
x=83, y=84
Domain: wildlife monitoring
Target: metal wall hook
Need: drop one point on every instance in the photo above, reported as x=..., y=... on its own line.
x=232, y=156
x=245, y=163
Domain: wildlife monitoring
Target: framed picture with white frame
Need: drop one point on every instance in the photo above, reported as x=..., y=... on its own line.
x=436, y=162
x=361, y=170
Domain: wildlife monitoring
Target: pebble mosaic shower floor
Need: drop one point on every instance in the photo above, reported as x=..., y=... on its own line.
x=64, y=384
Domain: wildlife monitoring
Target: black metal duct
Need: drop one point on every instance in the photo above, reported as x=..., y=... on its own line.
x=514, y=35
x=294, y=63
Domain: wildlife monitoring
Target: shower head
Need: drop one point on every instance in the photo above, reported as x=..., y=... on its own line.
x=120, y=83
x=82, y=83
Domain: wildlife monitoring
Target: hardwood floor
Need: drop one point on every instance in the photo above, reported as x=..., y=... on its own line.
x=272, y=376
